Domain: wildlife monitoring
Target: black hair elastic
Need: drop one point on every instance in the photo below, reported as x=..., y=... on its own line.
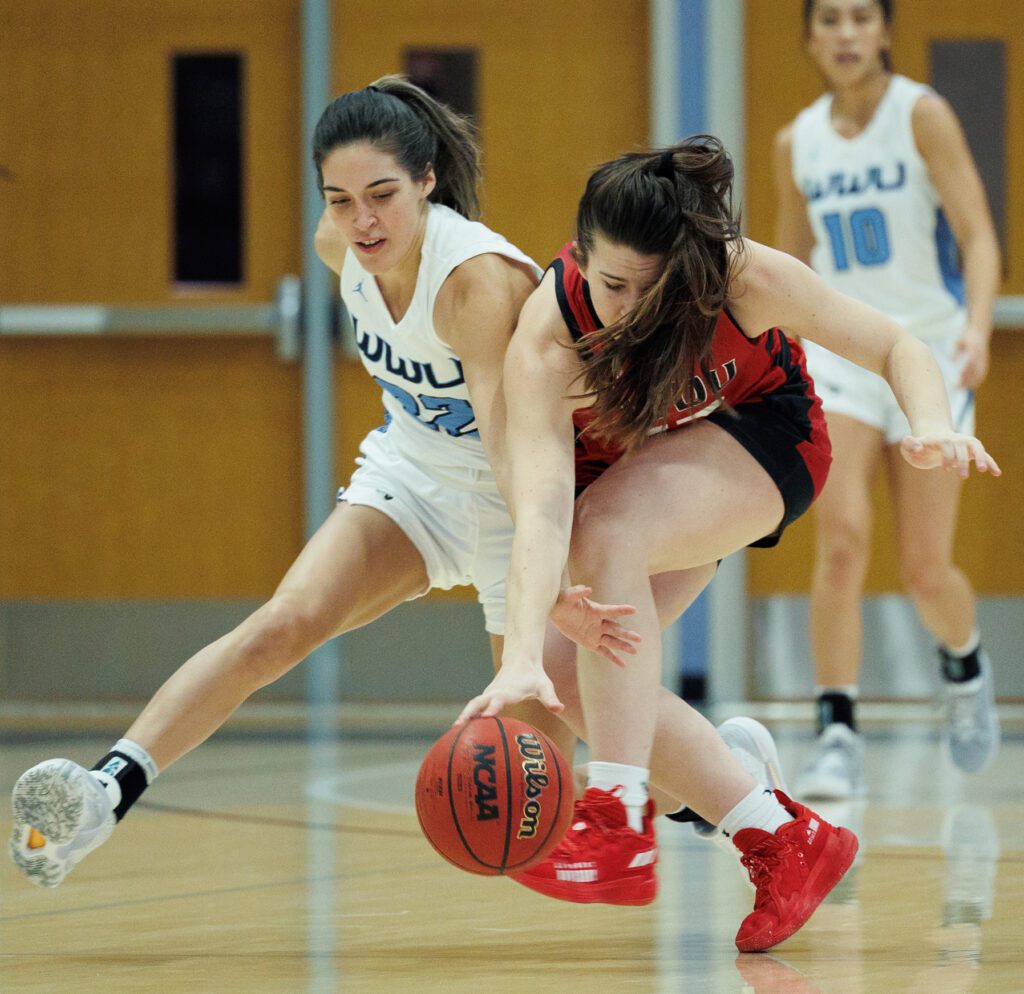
x=666, y=167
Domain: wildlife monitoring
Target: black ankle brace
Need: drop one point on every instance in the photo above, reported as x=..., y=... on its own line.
x=835, y=708
x=960, y=669
x=130, y=777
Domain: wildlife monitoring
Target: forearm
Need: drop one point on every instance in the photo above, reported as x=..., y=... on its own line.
x=981, y=280
x=917, y=382
x=536, y=569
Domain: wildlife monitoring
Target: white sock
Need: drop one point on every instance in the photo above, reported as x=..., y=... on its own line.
x=972, y=643
x=134, y=751
x=759, y=809
x=632, y=780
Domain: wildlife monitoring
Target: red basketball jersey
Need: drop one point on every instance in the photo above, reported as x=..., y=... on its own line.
x=743, y=371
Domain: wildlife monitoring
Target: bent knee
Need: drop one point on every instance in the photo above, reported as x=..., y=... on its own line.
x=277, y=636
x=603, y=534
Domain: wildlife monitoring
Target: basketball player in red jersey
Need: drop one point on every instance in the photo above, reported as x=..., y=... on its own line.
x=659, y=418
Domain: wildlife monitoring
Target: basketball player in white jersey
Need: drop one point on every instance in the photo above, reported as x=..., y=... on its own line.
x=434, y=297
x=878, y=191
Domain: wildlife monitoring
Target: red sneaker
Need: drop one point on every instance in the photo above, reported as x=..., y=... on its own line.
x=792, y=871
x=601, y=860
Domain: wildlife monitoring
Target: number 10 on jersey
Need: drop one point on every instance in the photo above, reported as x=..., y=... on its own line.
x=865, y=230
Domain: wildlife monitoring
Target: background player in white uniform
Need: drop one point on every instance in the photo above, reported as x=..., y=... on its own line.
x=878, y=191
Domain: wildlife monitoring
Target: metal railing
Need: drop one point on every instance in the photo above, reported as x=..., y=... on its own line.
x=1009, y=312
x=282, y=319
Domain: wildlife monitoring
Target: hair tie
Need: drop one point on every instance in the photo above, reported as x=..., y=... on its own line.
x=666, y=166
x=373, y=89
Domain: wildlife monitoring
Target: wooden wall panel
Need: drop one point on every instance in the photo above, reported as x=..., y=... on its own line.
x=140, y=468
x=172, y=468
x=147, y=468
x=86, y=134
x=780, y=80
x=560, y=90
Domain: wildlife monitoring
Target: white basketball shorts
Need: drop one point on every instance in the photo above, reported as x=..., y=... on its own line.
x=453, y=515
x=846, y=388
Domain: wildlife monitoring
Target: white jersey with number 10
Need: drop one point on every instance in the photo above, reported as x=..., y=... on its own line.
x=880, y=233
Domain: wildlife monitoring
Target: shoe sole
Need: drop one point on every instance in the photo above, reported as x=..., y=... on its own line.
x=753, y=737
x=832, y=867
x=616, y=892
x=49, y=799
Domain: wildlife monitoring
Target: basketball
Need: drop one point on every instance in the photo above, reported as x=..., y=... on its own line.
x=494, y=796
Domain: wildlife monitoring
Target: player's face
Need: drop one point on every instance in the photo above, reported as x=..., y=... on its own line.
x=846, y=39
x=375, y=204
x=618, y=277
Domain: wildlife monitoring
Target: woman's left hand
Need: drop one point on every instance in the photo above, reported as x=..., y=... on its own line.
x=950, y=450
x=592, y=625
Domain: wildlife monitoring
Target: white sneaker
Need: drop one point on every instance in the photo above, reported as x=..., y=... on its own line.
x=61, y=814
x=752, y=744
x=972, y=723
x=836, y=771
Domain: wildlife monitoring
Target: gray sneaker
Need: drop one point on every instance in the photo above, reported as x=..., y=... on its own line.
x=752, y=744
x=61, y=814
x=972, y=724
x=836, y=770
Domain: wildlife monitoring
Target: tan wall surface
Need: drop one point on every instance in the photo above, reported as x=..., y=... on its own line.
x=140, y=468
x=780, y=80
x=172, y=468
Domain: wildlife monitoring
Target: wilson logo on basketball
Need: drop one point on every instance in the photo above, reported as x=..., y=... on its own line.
x=485, y=781
x=535, y=769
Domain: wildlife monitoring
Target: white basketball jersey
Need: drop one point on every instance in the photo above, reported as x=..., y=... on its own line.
x=424, y=390
x=880, y=233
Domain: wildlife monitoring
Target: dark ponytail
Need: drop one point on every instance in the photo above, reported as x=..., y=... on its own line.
x=404, y=121
x=675, y=202
x=887, y=12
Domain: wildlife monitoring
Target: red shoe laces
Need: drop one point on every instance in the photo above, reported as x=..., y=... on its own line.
x=762, y=862
x=603, y=813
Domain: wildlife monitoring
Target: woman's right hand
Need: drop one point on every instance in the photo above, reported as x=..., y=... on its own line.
x=511, y=685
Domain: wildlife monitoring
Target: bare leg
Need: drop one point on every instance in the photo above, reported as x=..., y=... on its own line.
x=685, y=500
x=926, y=505
x=324, y=594
x=673, y=592
x=842, y=522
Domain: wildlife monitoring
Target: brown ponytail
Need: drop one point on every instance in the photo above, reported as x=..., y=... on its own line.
x=406, y=122
x=675, y=202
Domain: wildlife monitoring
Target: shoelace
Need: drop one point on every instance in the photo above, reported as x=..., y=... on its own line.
x=595, y=814
x=762, y=861
x=963, y=713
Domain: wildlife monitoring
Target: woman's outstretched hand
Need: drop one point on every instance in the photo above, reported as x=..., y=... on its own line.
x=593, y=626
x=511, y=685
x=949, y=450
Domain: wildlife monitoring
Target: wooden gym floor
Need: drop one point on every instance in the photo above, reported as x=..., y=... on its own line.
x=265, y=864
